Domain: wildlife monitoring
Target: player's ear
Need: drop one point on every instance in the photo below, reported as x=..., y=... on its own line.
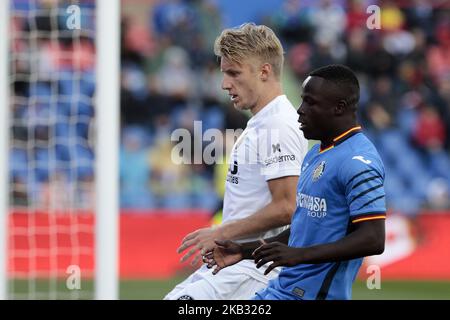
x=341, y=106
x=266, y=69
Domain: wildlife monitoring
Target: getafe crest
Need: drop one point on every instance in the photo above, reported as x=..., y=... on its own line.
x=318, y=171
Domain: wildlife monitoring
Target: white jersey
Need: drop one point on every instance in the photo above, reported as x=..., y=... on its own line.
x=270, y=147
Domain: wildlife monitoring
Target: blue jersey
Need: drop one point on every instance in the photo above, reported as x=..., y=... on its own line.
x=338, y=186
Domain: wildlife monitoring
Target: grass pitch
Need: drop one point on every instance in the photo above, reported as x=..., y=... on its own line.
x=147, y=289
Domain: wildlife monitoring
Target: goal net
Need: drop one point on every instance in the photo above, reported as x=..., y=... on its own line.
x=53, y=125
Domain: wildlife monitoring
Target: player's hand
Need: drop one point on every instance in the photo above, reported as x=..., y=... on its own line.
x=225, y=254
x=277, y=252
x=200, y=242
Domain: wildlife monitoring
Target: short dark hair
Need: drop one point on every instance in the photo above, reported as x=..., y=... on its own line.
x=343, y=77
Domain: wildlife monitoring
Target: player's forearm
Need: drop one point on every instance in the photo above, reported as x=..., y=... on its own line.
x=355, y=245
x=248, y=247
x=282, y=237
x=274, y=215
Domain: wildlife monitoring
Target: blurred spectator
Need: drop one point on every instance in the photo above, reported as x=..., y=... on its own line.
x=419, y=16
x=383, y=92
x=439, y=54
x=378, y=118
x=175, y=78
x=392, y=18
x=135, y=170
x=438, y=194
x=50, y=195
x=299, y=58
x=356, y=15
x=294, y=21
x=169, y=180
x=329, y=22
x=210, y=85
x=356, y=57
x=429, y=132
x=19, y=194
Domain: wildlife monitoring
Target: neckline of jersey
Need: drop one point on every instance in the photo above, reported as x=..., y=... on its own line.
x=341, y=138
x=266, y=108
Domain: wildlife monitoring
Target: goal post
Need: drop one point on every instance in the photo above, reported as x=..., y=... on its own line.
x=59, y=131
x=4, y=145
x=108, y=70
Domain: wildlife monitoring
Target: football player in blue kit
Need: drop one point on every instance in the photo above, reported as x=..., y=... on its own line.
x=341, y=209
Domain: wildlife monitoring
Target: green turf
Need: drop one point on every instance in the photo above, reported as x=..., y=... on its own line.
x=390, y=290
x=156, y=289
x=403, y=290
x=147, y=289
x=42, y=289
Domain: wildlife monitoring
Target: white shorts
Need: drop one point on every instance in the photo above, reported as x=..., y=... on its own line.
x=231, y=283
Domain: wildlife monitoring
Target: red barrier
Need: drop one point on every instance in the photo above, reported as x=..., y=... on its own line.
x=414, y=249
x=149, y=242
x=42, y=244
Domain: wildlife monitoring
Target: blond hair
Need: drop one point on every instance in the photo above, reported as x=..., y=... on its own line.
x=250, y=40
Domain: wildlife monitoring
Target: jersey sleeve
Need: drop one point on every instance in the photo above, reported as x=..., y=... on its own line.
x=363, y=179
x=281, y=149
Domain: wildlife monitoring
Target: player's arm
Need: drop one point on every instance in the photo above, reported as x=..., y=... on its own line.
x=227, y=252
x=277, y=213
x=366, y=239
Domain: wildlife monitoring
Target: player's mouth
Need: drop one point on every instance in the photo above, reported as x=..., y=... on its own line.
x=302, y=124
x=234, y=97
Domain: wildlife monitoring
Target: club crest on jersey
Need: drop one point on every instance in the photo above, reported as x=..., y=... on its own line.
x=318, y=171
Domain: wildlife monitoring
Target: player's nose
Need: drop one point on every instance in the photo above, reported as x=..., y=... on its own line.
x=226, y=84
x=300, y=110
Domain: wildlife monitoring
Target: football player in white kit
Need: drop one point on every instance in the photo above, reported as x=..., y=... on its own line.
x=260, y=189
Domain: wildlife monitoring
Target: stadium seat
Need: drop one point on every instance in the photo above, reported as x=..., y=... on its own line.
x=439, y=164
x=406, y=119
x=18, y=162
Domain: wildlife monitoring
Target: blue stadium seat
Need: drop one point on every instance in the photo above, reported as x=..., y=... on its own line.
x=439, y=164
x=406, y=119
x=84, y=160
x=393, y=184
x=137, y=199
x=392, y=144
x=43, y=163
x=418, y=183
x=66, y=84
x=62, y=151
x=87, y=84
x=207, y=200
x=213, y=118
x=18, y=162
x=406, y=204
x=177, y=201
x=40, y=90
